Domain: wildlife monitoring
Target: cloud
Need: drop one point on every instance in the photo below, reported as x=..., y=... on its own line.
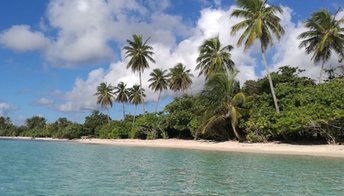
x=81, y=97
x=5, y=108
x=287, y=51
x=83, y=32
x=43, y=101
x=212, y=22
x=167, y=54
x=21, y=38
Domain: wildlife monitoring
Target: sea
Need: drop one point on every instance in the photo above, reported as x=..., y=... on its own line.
x=29, y=167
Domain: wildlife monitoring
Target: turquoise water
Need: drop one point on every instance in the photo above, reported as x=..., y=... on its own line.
x=62, y=168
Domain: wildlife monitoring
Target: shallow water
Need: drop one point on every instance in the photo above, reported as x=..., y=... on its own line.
x=62, y=168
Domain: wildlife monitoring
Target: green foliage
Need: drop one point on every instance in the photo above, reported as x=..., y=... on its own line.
x=114, y=130
x=35, y=122
x=184, y=114
x=6, y=127
x=70, y=131
x=94, y=122
x=213, y=58
x=309, y=111
x=149, y=126
x=180, y=78
x=105, y=95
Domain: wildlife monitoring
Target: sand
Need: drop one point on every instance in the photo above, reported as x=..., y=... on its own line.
x=229, y=146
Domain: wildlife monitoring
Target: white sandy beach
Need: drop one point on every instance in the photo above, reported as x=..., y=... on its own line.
x=229, y=146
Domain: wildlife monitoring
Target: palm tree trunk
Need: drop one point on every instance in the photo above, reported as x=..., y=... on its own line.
x=321, y=71
x=134, y=114
x=143, y=102
x=108, y=115
x=123, y=110
x=270, y=82
x=236, y=133
x=157, y=103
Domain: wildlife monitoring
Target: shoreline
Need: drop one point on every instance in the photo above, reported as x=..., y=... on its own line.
x=322, y=150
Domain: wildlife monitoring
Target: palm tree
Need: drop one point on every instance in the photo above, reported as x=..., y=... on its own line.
x=259, y=22
x=139, y=53
x=159, y=82
x=122, y=95
x=105, y=96
x=213, y=59
x=179, y=78
x=324, y=34
x=224, y=104
x=136, y=96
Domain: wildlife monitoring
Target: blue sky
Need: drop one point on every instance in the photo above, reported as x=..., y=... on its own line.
x=54, y=53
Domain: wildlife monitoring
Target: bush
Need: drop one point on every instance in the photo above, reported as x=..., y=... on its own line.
x=114, y=130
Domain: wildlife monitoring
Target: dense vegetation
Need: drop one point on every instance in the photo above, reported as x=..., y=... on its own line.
x=309, y=112
x=284, y=105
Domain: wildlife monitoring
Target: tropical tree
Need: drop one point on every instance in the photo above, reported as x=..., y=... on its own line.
x=105, y=93
x=122, y=95
x=140, y=53
x=224, y=102
x=259, y=22
x=159, y=82
x=179, y=78
x=136, y=96
x=324, y=35
x=213, y=58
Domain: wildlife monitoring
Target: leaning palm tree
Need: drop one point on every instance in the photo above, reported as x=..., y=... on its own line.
x=213, y=58
x=324, y=35
x=122, y=95
x=179, y=78
x=136, y=96
x=159, y=82
x=139, y=53
x=105, y=93
x=224, y=104
x=259, y=22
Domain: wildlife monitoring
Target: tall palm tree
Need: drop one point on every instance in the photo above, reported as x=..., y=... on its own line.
x=224, y=104
x=105, y=93
x=180, y=78
x=213, y=58
x=122, y=95
x=136, y=96
x=259, y=22
x=324, y=34
x=159, y=82
x=140, y=53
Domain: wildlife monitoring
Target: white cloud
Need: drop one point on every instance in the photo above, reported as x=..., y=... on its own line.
x=43, y=101
x=217, y=2
x=5, y=108
x=167, y=54
x=81, y=97
x=21, y=38
x=85, y=29
x=288, y=51
x=83, y=32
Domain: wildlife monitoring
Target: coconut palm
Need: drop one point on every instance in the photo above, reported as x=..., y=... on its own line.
x=105, y=93
x=323, y=36
x=136, y=96
x=140, y=53
x=122, y=95
x=213, y=58
x=179, y=78
x=224, y=104
x=259, y=22
x=159, y=82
